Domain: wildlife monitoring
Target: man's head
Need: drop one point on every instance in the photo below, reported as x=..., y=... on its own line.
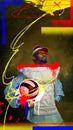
x=39, y=55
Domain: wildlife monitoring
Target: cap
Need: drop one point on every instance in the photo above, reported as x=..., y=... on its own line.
x=39, y=48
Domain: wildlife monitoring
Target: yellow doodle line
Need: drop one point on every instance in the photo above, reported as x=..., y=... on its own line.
x=39, y=84
x=6, y=115
x=14, y=97
x=4, y=72
x=15, y=50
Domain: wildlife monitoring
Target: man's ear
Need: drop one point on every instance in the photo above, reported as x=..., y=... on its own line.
x=33, y=58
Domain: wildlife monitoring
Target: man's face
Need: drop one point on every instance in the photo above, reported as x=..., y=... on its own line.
x=41, y=57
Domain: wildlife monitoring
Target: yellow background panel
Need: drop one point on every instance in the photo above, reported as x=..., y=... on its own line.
x=57, y=30
x=16, y=127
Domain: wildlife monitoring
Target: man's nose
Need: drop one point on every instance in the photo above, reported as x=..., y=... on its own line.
x=44, y=54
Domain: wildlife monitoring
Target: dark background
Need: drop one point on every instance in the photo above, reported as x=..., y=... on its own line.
x=60, y=50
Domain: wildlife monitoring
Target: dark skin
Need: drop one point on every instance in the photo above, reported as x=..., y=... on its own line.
x=41, y=55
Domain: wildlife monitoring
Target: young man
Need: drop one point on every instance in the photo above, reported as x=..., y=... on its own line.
x=39, y=55
x=45, y=110
x=48, y=91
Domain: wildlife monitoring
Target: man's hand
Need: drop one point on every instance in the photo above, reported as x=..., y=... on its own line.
x=30, y=103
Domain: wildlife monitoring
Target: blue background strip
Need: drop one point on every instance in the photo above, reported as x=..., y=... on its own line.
x=3, y=4
x=52, y=127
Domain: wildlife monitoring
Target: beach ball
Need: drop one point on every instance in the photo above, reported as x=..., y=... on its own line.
x=28, y=90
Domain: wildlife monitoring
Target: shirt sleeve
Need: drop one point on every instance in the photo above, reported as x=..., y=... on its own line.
x=58, y=98
x=58, y=90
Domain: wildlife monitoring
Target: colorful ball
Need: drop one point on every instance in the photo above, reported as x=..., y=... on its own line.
x=29, y=88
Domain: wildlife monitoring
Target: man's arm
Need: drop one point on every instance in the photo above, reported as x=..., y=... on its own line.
x=58, y=90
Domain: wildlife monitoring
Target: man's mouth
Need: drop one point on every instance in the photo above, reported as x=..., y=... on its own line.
x=44, y=57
